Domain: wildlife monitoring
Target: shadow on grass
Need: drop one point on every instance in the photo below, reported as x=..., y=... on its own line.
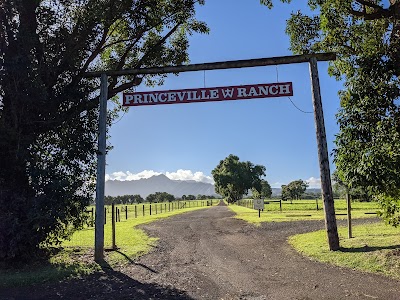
x=106, y=284
x=366, y=248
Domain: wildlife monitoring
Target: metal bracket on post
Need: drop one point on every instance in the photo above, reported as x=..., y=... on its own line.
x=326, y=187
x=101, y=172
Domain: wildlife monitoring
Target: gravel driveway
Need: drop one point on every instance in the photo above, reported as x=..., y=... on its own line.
x=207, y=254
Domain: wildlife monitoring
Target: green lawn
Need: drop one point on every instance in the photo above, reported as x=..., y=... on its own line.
x=375, y=248
x=301, y=210
x=76, y=258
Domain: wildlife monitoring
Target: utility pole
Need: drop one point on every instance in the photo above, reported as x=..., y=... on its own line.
x=101, y=172
x=326, y=186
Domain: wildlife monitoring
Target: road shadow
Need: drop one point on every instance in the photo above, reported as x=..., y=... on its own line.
x=366, y=248
x=103, y=285
x=135, y=263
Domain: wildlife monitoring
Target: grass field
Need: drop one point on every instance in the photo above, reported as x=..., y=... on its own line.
x=76, y=258
x=375, y=248
x=301, y=210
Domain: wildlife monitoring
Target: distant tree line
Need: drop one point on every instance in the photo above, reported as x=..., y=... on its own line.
x=131, y=199
x=152, y=198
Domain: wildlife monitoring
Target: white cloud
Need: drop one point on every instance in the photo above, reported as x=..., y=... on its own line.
x=122, y=176
x=189, y=175
x=177, y=175
x=314, y=182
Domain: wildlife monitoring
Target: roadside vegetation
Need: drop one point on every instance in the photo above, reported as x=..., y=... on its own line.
x=75, y=258
x=375, y=248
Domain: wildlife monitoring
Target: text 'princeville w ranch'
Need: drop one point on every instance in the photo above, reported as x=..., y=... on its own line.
x=243, y=92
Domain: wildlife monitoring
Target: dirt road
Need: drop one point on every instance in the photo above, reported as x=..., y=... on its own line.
x=209, y=255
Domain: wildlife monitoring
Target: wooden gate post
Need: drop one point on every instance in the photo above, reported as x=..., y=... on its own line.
x=326, y=187
x=101, y=172
x=113, y=217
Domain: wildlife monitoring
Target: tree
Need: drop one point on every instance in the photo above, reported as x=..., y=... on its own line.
x=160, y=197
x=166, y=197
x=151, y=198
x=285, y=193
x=297, y=188
x=49, y=110
x=366, y=36
x=294, y=190
x=190, y=197
x=266, y=190
x=137, y=199
x=341, y=189
x=234, y=178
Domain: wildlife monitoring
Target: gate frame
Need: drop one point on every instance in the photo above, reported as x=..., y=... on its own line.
x=312, y=59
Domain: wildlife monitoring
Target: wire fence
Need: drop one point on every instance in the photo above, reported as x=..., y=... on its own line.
x=129, y=215
x=317, y=204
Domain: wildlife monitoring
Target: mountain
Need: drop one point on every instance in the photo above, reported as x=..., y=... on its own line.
x=162, y=183
x=159, y=183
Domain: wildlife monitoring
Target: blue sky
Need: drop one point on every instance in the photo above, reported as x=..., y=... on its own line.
x=188, y=141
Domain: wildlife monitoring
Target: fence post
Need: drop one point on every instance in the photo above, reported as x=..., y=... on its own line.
x=135, y=211
x=280, y=205
x=143, y=210
x=92, y=211
x=113, y=225
x=150, y=209
x=105, y=215
x=349, y=228
x=126, y=212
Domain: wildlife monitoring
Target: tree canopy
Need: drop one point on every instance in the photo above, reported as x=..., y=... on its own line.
x=294, y=190
x=265, y=192
x=160, y=197
x=234, y=178
x=366, y=36
x=49, y=110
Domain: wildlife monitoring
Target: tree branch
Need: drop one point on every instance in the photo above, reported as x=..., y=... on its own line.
x=384, y=13
x=367, y=3
x=155, y=46
x=378, y=13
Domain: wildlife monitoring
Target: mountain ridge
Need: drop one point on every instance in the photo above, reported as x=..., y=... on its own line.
x=158, y=183
x=161, y=183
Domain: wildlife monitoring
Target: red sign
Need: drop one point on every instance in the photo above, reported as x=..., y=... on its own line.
x=241, y=92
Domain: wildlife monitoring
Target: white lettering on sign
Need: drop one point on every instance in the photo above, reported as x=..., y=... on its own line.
x=243, y=92
x=214, y=94
x=273, y=90
x=227, y=93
